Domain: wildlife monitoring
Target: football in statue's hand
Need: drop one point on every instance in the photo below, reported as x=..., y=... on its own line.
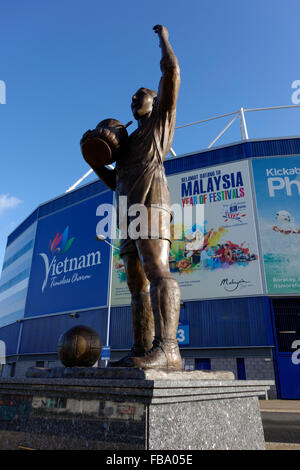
x=102, y=145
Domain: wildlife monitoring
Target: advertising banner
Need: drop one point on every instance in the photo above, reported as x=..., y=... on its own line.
x=70, y=268
x=277, y=184
x=214, y=252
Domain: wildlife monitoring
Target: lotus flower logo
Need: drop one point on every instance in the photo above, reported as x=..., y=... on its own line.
x=61, y=242
x=57, y=266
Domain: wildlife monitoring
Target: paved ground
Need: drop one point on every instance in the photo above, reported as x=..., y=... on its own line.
x=281, y=423
x=282, y=446
x=280, y=406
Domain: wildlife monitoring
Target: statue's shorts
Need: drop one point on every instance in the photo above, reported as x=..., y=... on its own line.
x=149, y=223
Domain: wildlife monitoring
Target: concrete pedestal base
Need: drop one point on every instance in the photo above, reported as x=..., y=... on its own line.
x=130, y=409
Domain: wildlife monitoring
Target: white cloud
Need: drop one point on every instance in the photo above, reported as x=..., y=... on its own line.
x=8, y=202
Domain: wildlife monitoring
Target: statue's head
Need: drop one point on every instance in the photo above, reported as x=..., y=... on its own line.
x=142, y=102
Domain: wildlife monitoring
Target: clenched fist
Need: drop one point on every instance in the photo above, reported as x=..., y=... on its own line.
x=161, y=31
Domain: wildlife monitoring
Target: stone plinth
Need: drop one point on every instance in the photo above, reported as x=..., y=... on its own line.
x=91, y=408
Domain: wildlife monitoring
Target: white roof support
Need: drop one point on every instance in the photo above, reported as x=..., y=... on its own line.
x=74, y=186
x=79, y=181
x=222, y=132
x=244, y=131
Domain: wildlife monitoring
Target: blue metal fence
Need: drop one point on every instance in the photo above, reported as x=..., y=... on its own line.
x=10, y=334
x=41, y=335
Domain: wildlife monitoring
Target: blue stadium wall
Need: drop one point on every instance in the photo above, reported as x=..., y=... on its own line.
x=244, y=322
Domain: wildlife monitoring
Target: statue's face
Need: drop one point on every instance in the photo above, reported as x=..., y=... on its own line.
x=142, y=103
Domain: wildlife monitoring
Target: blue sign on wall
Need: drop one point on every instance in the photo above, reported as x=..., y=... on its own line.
x=183, y=333
x=105, y=353
x=70, y=268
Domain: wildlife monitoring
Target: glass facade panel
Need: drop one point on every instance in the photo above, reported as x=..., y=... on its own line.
x=15, y=276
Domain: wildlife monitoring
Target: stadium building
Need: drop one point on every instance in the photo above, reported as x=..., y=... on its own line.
x=240, y=305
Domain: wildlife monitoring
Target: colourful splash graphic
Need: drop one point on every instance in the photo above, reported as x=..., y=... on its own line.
x=117, y=260
x=195, y=248
x=206, y=250
x=61, y=242
x=119, y=265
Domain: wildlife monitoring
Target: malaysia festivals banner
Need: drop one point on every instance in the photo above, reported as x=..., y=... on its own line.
x=214, y=252
x=70, y=268
x=277, y=184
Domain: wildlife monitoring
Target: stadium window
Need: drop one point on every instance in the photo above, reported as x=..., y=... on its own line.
x=12, y=369
x=241, y=369
x=202, y=364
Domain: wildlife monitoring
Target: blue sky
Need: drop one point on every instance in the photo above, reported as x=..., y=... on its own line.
x=69, y=64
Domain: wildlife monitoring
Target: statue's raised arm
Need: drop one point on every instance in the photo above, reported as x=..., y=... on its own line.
x=170, y=80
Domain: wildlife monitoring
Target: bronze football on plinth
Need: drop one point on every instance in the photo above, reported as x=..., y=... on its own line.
x=102, y=145
x=80, y=346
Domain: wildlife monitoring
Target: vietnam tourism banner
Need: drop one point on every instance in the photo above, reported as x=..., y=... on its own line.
x=277, y=184
x=70, y=268
x=214, y=252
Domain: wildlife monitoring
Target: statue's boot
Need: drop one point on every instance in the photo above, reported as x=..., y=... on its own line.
x=143, y=329
x=165, y=354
